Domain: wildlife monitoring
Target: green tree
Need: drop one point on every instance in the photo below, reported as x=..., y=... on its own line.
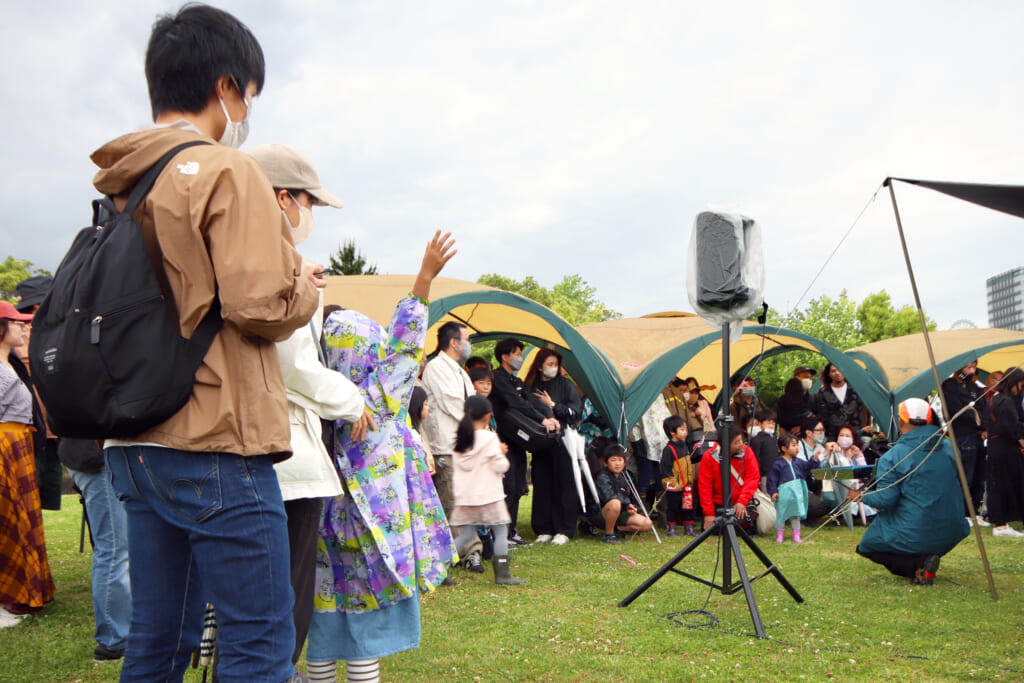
x=13, y=271
x=572, y=298
x=347, y=260
x=879, y=320
x=840, y=322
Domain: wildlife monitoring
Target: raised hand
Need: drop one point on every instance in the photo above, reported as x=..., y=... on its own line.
x=439, y=252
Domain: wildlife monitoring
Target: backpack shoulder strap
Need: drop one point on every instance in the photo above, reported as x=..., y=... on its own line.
x=145, y=183
x=156, y=256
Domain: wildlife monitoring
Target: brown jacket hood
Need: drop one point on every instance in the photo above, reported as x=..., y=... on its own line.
x=124, y=160
x=222, y=235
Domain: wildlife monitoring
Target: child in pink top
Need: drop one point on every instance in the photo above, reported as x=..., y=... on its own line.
x=479, y=495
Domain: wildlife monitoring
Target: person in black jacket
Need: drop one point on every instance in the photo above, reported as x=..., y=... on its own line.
x=617, y=508
x=1005, y=472
x=961, y=390
x=765, y=445
x=794, y=406
x=679, y=476
x=508, y=392
x=837, y=403
x=555, y=501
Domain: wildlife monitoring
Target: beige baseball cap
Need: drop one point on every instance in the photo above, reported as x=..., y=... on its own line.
x=290, y=169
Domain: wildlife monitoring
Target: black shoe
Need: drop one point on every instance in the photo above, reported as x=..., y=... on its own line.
x=102, y=653
x=925, y=576
x=516, y=539
x=612, y=539
x=473, y=564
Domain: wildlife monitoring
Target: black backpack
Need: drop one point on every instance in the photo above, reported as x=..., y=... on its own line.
x=107, y=354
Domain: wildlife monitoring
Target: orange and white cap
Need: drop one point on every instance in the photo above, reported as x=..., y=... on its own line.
x=916, y=411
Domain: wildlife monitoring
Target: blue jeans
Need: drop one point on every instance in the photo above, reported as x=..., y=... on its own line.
x=205, y=527
x=111, y=592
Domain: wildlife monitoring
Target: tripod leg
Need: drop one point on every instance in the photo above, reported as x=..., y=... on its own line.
x=748, y=590
x=667, y=567
x=768, y=563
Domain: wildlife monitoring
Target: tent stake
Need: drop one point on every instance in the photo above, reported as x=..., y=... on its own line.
x=942, y=398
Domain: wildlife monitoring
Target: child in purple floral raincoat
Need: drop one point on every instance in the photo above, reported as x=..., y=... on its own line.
x=386, y=539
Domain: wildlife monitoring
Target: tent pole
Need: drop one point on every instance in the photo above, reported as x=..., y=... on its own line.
x=942, y=398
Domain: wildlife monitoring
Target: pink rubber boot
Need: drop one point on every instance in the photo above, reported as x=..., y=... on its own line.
x=780, y=535
x=796, y=536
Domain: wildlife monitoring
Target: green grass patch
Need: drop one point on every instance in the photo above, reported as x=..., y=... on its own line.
x=858, y=622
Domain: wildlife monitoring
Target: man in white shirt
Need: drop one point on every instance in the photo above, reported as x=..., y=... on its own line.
x=448, y=386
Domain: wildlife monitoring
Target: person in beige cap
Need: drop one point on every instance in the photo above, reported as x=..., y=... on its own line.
x=314, y=392
x=296, y=186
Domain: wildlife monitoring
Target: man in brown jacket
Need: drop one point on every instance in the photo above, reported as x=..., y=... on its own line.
x=205, y=516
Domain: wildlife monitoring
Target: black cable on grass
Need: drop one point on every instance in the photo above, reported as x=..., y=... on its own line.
x=707, y=619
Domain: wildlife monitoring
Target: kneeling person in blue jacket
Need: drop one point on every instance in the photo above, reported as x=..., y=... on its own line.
x=920, y=506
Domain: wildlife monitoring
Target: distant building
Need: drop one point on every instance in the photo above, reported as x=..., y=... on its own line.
x=1006, y=300
x=963, y=324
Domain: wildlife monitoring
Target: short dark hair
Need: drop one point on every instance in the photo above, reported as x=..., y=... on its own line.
x=477, y=374
x=190, y=50
x=614, y=450
x=809, y=423
x=474, y=362
x=506, y=346
x=766, y=414
x=451, y=330
x=671, y=423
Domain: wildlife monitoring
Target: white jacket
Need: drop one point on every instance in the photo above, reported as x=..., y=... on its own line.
x=313, y=392
x=447, y=386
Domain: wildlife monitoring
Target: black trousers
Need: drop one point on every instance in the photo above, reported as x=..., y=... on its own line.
x=900, y=565
x=515, y=483
x=555, y=501
x=674, y=507
x=303, y=522
x=49, y=475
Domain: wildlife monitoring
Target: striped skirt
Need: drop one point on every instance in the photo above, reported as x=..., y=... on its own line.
x=25, y=580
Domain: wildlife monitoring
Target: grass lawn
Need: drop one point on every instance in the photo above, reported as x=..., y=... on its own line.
x=857, y=622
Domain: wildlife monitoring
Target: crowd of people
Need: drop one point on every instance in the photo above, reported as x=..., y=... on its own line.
x=323, y=475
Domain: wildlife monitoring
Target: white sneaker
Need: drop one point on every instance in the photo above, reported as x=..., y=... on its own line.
x=970, y=522
x=1007, y=531
x=982, y=522
x=560, y=539
x=543, y=538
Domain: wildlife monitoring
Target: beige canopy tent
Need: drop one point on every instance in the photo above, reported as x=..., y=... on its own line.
x=900, y=365
x=647, y=352
x=489, y=314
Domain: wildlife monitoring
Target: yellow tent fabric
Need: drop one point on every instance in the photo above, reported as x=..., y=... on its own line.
x=901, y=364
x=645, y=353
x=375, y=296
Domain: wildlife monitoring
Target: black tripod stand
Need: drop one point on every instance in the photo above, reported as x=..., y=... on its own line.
x=727, y=524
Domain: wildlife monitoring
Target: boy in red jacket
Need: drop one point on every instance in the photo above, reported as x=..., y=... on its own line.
x=709, y=479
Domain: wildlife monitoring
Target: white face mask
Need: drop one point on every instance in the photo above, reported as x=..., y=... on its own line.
x=844, y=442
x=819, y=439
x=549, y=372
x=754, y=431
x=305, y=227
x=806, y=384
x=235, y=132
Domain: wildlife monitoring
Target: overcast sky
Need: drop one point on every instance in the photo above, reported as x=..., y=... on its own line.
x=577, y=137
